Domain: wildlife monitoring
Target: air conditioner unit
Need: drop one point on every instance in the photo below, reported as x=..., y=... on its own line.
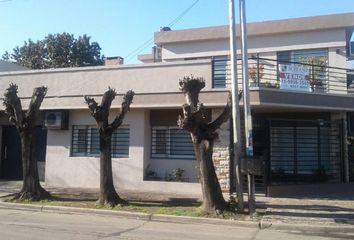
x=56, y=119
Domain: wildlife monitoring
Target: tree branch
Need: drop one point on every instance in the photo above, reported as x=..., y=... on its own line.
x=191, y=87
x=13, y=106
x=101, y=112
x=36, y=101
x=225, y=115
x=183, y=122
x=107, y=99
x=92, y=105
x=127, y=100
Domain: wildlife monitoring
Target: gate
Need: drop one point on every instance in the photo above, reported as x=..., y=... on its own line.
x=305, y=151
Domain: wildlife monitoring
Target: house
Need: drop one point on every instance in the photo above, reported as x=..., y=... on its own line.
x=9, y=66
x=300, y=101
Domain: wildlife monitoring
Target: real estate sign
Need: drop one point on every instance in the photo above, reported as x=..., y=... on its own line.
x=294, y=77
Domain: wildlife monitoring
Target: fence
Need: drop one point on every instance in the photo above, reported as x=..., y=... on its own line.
x=305, y=151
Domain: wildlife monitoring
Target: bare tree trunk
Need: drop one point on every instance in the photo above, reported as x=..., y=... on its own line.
x=213, y=199
x=108, y=195
x=31, y=188
x=203, y=135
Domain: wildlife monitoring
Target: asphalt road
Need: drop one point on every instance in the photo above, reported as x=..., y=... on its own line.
x=30, y=224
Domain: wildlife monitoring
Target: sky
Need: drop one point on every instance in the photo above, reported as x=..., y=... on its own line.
x=125, y=27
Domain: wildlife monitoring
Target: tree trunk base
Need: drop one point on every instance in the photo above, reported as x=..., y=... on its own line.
x=111, y=201
x=32, y=194
x=214, y=210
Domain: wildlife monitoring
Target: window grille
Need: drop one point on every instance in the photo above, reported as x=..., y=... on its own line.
x=86, y=142
x=219, y=73
x=171, y=143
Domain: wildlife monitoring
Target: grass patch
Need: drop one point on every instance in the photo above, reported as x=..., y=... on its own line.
x=175, y=207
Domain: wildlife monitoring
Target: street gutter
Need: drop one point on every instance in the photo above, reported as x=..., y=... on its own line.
x=264, y=223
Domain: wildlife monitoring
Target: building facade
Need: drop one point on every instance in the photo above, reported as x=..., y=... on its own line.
x=300, y=99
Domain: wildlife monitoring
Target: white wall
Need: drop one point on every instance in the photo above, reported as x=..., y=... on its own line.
x=62, y=170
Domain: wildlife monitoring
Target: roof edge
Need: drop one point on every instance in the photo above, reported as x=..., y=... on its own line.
x=313, y=23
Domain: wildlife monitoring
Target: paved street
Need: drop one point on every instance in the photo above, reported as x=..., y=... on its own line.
x=31, y=224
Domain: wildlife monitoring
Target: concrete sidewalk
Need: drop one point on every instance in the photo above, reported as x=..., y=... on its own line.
x=308, y=212
x=322, y=214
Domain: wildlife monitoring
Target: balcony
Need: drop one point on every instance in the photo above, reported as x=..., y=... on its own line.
x=291, y=84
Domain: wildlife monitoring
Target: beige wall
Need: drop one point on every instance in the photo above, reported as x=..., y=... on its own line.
x=66, y=87
x=265, y=44
x=65, y=171
x=338, y=77
x=163, y=167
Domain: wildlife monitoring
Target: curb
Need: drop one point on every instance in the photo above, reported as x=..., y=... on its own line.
x=132, y=215
x=266, y=223
x=310, y=228
x=263, y=224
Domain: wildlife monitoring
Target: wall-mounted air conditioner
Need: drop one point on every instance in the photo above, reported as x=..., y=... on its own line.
x=56, y=119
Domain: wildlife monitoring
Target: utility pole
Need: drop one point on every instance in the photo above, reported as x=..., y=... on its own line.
x=235, y=109
x=247, y=107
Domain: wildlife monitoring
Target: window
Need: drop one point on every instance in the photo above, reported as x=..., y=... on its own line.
x=219, y=73
x=85, y=141
x=316, y=61
x=171, y=143
x=303, y=56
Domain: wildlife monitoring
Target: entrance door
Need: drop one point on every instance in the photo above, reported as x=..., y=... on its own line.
x=11, y=159
x=305, y=151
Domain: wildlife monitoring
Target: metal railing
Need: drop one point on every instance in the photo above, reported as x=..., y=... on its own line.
x=270, y=73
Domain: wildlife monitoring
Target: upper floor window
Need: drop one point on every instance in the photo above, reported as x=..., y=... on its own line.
x=219, y=73
x=304, y=56
x=85, y=141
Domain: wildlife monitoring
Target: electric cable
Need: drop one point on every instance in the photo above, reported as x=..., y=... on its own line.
x=147, y=43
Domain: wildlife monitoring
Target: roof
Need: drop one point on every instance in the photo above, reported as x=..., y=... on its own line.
x=9, y=66
x=344, y=20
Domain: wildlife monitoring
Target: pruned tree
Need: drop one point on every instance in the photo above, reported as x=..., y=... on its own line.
x=108, y=195
x=25, y=125
x=203, y=135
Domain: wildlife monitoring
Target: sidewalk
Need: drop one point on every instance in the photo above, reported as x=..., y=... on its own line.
x=308, y=213
x=321, y=214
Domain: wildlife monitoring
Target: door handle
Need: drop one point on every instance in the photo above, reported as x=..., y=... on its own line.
x=5, y=152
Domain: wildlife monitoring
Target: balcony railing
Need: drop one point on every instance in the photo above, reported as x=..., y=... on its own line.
x=290, y=76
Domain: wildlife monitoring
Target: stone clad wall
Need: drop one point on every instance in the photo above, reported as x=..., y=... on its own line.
x=221, y=154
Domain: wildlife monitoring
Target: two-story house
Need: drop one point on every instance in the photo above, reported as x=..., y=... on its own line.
x=300, y=100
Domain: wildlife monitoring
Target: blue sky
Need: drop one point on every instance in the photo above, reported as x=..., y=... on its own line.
x=121, y=26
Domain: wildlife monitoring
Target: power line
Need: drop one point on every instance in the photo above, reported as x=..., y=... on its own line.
x=177, y=19
x=143, y=46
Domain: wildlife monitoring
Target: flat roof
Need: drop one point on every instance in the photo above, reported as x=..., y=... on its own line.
x=344, y=20
x=9, y=66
